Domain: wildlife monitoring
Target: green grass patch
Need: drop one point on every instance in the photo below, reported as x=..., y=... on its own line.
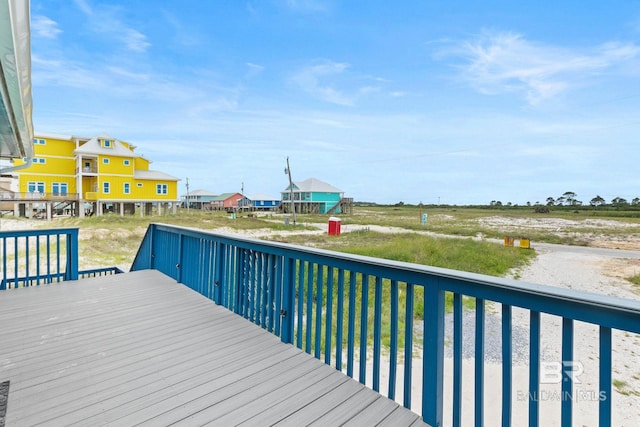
x=457, y=254
x=635, y=279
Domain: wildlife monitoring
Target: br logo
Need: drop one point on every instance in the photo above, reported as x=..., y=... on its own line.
x=556, y=372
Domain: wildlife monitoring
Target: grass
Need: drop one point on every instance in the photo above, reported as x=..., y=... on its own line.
x=623, y=388
x=635, y=279
x=112, y=239
x=465, y=221
x=460, y=254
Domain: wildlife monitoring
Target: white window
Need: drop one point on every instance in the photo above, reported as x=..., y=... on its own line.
x=42, y=161
x=161, y=188
x=127, y=188
x=37, y=160
x=105, y=161
x=59, y=188
x=39, y=141
x=33, y=187
x=106, y=187
x=126, y=162
x=107, y=143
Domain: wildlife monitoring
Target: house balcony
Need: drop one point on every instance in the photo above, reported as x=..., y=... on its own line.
x=87, y=170
x=172, y=340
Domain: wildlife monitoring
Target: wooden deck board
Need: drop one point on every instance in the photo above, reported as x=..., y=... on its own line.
x=141, y=348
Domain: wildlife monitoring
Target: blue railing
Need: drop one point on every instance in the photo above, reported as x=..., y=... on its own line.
x=97, y=272
x=35, y=257
x=357, y=314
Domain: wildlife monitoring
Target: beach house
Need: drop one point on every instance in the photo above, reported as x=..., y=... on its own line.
x=90, y=175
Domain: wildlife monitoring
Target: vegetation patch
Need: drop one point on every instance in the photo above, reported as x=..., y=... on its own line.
x=458, y=254
x=634, y=279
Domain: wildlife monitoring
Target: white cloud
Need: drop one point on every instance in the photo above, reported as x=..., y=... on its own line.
x=333, y=82
x=60, y=72
x=105, y=20
x=507, y=62
x=44, y=27
x=253, y=69
x=311, y=80
x=84, y=6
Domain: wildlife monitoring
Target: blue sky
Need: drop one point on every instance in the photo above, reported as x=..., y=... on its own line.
x=413, y=101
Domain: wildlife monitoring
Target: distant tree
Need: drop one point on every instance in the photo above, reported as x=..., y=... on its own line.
x=528, y=203
x=619, y=202
x=498, y=203
x=635, y=201
x=560, y=201
x=551, y=201
x=597, y=201
x=569, y=197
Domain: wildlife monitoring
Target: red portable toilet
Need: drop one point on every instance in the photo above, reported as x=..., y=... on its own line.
x=334, y=226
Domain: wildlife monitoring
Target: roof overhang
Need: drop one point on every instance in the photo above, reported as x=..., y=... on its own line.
x=16, y=107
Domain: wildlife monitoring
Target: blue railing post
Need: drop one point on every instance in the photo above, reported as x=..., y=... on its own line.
x=152, y=237
x=605, y=377
x=181, y=238
x=479, y=364
x=567, y=381
x=71, y=272
x=288, y=300
x=218, y=274
x=507, y=373
x=534, y=368
x=433, y=354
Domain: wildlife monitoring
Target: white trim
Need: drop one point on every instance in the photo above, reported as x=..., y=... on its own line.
x=25, y=174
x=58, y=136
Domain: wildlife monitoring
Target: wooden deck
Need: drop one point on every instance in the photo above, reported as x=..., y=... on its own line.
x=139, y=348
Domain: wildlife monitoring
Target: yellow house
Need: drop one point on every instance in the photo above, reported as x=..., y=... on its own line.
x=102, y=172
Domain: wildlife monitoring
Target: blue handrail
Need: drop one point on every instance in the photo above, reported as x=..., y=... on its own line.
x=322, y=301
x=34, y=257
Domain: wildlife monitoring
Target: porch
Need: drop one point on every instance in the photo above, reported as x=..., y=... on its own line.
x=139, y=348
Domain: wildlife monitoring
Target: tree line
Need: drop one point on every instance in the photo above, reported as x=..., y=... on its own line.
x=570, y=198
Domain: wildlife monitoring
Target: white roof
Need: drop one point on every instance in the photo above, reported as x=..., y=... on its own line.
x=156, y=175
x=201, y=193
x=51, y=135
x=314, y=185
x=93, y=146
x=262, y=197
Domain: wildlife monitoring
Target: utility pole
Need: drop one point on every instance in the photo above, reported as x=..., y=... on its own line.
x=293, y=205
x=188, y=202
